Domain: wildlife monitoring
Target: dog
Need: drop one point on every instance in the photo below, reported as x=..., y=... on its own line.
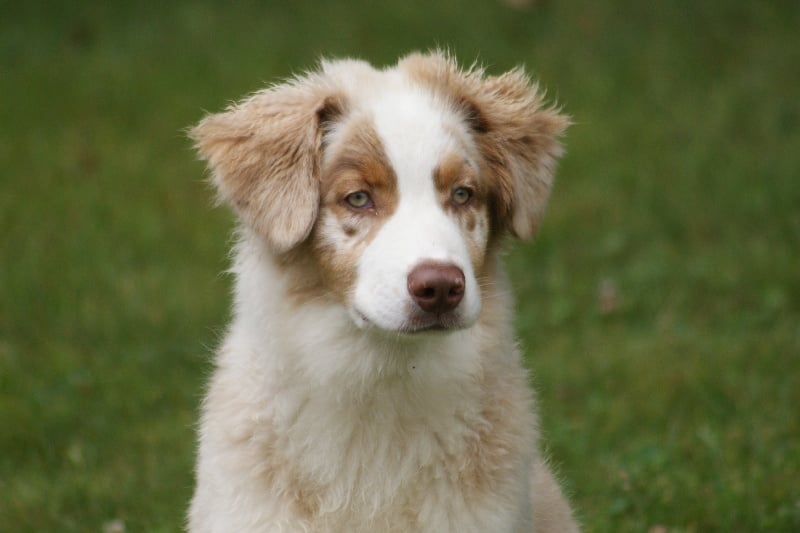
x=369, y=380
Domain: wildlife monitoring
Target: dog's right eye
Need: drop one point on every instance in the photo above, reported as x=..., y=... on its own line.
x=359, y=200
x=461, y=196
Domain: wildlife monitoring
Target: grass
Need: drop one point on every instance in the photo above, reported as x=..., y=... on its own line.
x=660, y=305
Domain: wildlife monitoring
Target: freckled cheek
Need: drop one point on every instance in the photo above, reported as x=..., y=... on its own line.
x=342, y=240
x=355, y=232
x=477, y=237
x=342, y=230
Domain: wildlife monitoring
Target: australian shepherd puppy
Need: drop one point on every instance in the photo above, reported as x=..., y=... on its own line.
x=370, y=381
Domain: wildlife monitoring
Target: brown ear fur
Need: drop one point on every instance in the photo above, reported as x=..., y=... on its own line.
x=517, y=134
x=264, y=155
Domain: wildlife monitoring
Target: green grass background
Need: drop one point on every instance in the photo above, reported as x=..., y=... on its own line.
x=679, y=410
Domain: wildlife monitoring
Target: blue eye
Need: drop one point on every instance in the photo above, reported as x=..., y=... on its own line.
x=461, y=196
x=359, y=200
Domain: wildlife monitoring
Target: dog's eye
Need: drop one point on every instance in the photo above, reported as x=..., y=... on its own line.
x=359, y=200
x=461, y=196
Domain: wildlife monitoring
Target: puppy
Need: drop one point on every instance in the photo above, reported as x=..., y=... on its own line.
x=370, y=381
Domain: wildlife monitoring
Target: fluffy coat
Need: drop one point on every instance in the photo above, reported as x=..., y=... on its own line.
x=337, y=404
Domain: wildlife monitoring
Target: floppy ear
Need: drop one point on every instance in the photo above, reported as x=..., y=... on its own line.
x=264, y=155
x=519, y=139
x=515, y=131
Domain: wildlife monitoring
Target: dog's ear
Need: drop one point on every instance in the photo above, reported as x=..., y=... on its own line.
x=515, y=131
x=264, y=154
x=518, y=136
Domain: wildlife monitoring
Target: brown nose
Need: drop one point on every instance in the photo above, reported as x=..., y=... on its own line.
x=436, y=287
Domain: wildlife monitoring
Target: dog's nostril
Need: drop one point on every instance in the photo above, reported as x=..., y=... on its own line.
x=436, y=287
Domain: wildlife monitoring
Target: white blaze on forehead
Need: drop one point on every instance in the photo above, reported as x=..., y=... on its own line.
x=413, y=135
x=416, y=132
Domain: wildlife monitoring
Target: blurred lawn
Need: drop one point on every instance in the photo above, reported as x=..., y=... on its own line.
x=660, y=306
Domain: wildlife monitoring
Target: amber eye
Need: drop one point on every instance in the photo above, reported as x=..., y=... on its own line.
x=359, y=200
x=461, y=196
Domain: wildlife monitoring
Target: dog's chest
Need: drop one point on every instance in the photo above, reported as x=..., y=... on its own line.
x=390, y=462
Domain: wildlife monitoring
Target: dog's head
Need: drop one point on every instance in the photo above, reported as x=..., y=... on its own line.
x=386, y=189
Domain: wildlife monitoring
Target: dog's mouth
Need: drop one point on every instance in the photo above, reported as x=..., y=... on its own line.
x=433, y=323
x=415, y=323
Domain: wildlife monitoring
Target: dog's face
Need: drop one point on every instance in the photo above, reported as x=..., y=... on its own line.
x=404, y=212
x=386, y=190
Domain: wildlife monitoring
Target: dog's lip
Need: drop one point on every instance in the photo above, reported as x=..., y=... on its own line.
x=434, y=323
x=416, y=324
x=419, y=321
x=413, y=330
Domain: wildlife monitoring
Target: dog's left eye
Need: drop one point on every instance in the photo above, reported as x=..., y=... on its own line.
x=359, y=200
x=461, y=196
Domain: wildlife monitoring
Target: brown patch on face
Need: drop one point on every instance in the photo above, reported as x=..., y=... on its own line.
x=471, y=220
x=455, y=172
x=358, y=162
x=452, y=170
x=355, y=161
